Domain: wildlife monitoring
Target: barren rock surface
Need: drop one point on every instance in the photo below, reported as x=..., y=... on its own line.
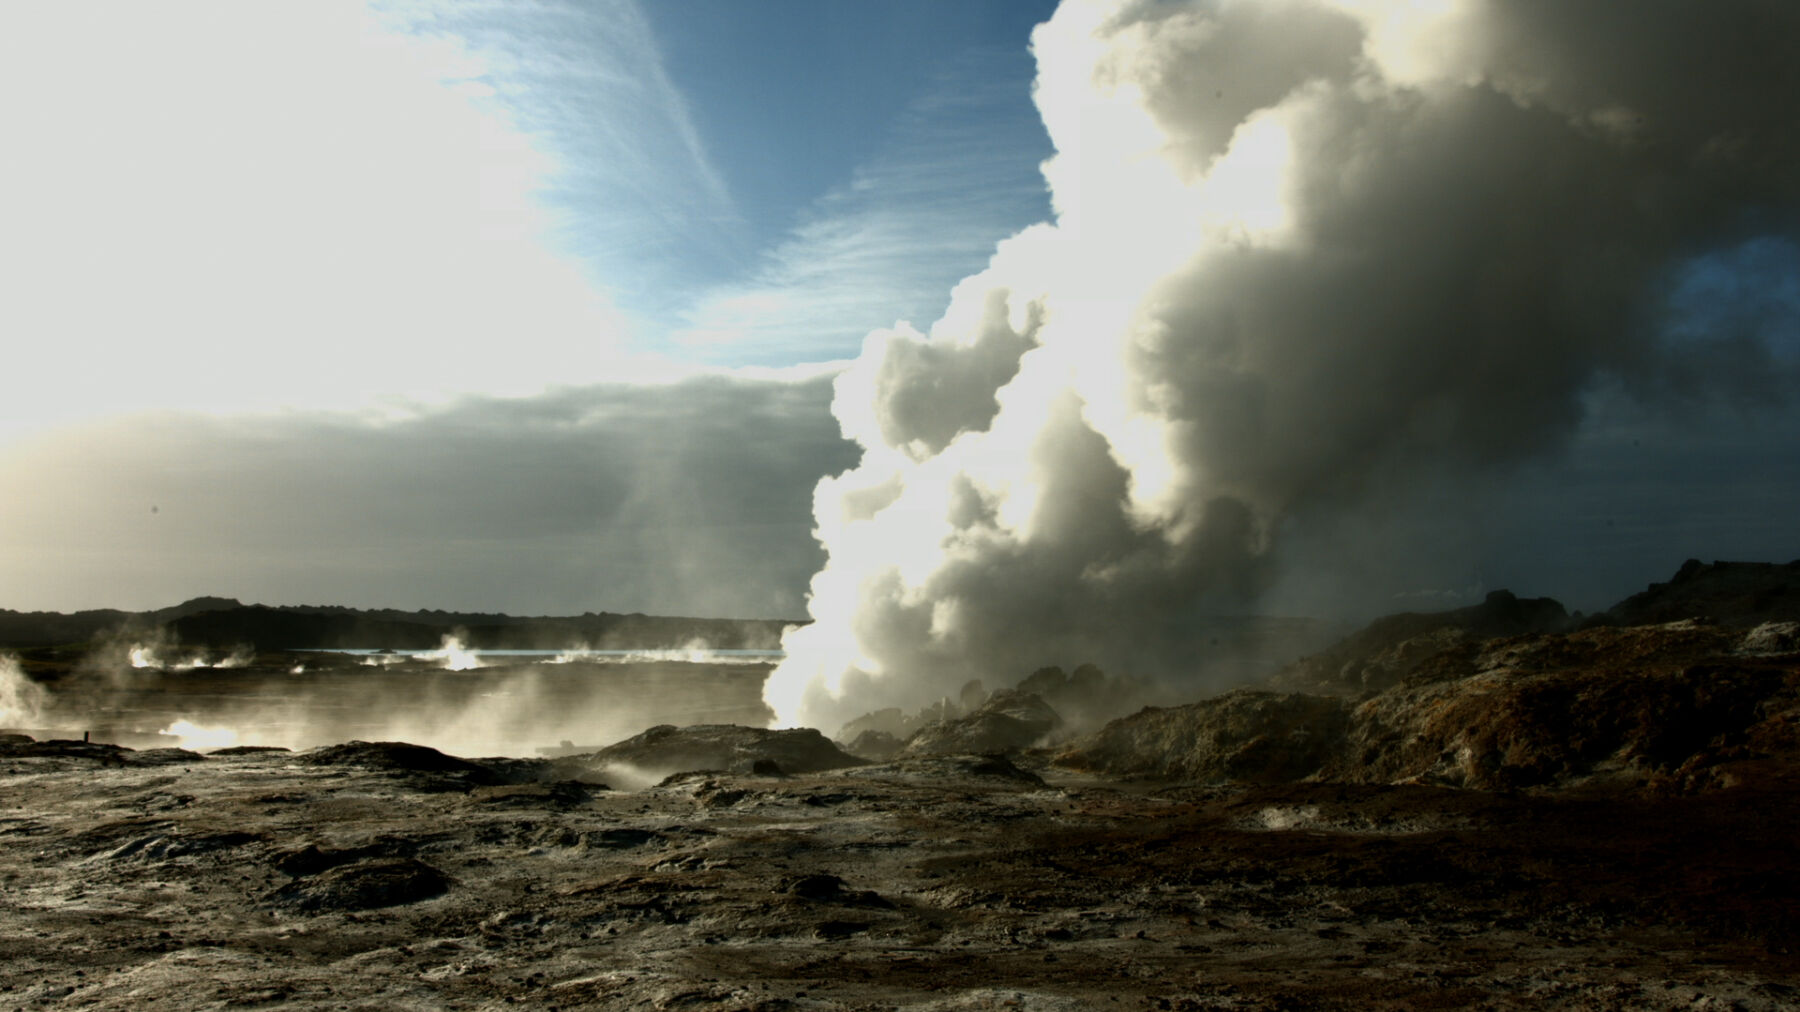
x=1679, y=707
x=1602, y=818
x=377, y=877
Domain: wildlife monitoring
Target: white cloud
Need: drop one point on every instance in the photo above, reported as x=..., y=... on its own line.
x=227, y=206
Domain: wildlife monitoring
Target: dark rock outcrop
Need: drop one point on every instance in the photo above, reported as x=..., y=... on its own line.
x=1736, y=594
x=667, y=749
x=1385, y=651
x=875, y=746
x=1262, y=737
x=364, y=885
x=1642, y=703
x=1681, y=706
x=427, y=767
x=103, y=753
x=1005, y=723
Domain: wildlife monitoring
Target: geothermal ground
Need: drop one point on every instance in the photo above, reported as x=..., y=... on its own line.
x=1493, y=808
x=383, y=877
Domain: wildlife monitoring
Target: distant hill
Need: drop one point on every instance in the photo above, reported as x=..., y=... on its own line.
x=224, y=624
x=1385, y=651
x=1737, y=594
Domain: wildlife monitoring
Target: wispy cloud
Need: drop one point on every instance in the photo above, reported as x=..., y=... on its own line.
x=958, y=174
x=637, y=194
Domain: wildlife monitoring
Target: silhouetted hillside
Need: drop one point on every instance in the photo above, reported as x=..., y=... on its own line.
x=1387, y=649
x=224, y=624
x=1737, y=594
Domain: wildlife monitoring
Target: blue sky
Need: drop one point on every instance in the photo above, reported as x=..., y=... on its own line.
x=765, y=183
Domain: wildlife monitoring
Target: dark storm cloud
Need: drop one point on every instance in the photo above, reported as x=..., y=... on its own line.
x=689, y=498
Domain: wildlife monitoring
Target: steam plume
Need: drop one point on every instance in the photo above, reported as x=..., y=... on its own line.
x=453, y=655
x=1309, y=257
x=22, y=701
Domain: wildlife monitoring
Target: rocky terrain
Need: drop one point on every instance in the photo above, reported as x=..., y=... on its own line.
x=1503, y=807
x=1671, y=707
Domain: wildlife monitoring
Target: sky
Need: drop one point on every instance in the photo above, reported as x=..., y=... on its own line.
x=263, y=257
x=984, y=334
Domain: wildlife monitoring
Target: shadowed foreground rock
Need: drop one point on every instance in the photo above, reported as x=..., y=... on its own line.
x=938, y=882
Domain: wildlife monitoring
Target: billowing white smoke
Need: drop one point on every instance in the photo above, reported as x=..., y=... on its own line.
x=1307, y=255
x=22, y=700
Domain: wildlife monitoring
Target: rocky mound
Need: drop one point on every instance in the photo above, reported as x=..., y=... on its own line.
x=364, y=885
x=1737, y=594
x=420, y=762
x=1047, y=704
x=666, y=749
x=1387, y=650
x=389, y=755
x=1256, y=736
x=22, y=746
x=1682, y=706
x=1008, y=722
x=875, y=746
x=1670, y=703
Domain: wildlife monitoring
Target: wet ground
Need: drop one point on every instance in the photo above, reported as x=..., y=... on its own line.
x=382, y=878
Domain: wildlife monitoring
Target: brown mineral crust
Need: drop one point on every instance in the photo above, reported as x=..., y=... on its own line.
x=1648, y=706
x=1527, y=714
x=933, y=882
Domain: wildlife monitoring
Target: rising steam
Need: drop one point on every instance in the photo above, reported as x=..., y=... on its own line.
x=453, y=655
x=158, y=654
x=1308, y=257
x=22, y=700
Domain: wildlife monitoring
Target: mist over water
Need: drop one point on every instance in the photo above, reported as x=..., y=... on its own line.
x=456, y=702
x=21, y=699
x=1322, y=273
